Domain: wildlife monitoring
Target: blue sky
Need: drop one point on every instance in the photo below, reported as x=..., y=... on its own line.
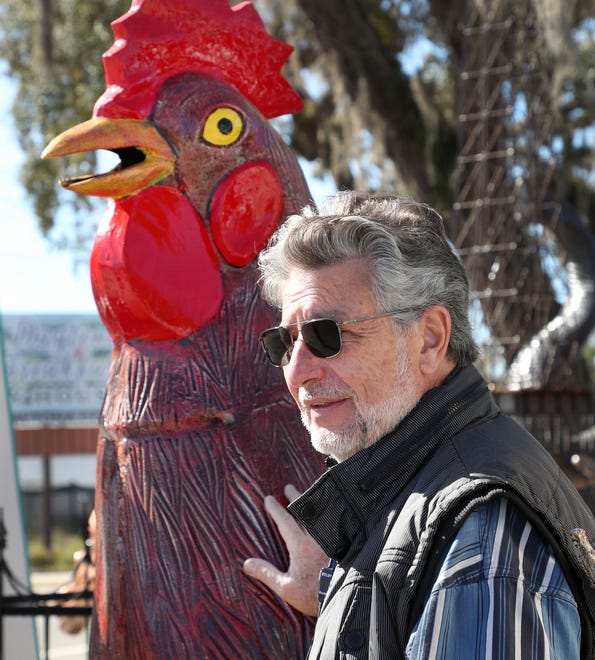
x=34, y=277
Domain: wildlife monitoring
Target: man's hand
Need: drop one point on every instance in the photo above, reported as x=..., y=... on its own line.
x=299, y=585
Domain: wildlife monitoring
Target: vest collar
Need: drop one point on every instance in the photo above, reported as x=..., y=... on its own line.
x=336, y=508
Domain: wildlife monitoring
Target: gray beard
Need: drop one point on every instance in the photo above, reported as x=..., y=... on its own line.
x=372, y=421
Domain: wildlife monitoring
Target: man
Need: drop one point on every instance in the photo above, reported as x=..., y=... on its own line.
x=451, y=532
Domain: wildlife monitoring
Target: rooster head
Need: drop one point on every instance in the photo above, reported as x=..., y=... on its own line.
x=203, y=178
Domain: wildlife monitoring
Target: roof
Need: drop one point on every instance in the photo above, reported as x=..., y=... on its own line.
x=56, y=367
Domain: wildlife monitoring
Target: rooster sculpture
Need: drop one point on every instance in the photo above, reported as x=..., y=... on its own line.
x=195, y=429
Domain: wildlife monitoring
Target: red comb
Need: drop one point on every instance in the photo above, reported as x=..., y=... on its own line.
x=158, y=39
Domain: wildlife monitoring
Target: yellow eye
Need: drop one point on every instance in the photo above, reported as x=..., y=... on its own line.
x=223, y=126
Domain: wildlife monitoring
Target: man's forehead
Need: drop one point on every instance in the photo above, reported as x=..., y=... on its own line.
x=331, y=291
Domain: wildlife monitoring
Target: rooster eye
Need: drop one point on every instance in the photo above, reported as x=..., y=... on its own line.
x=223, y=126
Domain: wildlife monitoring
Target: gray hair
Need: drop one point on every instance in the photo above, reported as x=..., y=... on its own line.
x=412, y=265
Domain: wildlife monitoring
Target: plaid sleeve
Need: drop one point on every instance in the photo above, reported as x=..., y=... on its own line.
x=500, y=593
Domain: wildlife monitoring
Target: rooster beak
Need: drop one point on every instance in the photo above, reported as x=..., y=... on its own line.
x=145, y=156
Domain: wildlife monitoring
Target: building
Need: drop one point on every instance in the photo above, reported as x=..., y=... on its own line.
x=57, y=368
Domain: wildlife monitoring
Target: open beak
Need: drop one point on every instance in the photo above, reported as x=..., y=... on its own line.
x=145, y=156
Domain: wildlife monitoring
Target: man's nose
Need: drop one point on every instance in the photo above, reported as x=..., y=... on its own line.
x=303, y=365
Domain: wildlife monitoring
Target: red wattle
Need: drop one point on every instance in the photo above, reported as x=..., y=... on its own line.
x=245, y=210
x=154, y=270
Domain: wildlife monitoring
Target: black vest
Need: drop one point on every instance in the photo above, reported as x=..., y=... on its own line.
x=388, y=512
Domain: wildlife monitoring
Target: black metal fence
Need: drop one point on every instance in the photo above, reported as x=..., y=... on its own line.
x=24, y=602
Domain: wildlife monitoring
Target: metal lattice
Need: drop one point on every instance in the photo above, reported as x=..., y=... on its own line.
x=512, y=238
x=504, y=170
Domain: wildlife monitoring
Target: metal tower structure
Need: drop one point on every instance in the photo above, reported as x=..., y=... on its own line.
x=530, y=259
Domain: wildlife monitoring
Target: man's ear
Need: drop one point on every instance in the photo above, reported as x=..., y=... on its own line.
x=435, y=323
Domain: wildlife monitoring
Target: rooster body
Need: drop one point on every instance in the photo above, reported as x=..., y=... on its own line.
x=195, y=428
x=190, y=445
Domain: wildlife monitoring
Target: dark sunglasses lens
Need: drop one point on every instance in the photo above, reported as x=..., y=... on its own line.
x=322, y=337
x=276, y=342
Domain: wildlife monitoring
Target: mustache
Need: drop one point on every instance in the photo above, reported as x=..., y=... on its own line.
x=318, y=390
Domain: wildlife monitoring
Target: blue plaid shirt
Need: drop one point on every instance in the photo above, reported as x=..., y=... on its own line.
x=499, y=594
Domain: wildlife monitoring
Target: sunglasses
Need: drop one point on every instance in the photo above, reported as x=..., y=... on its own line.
x=321, y=336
